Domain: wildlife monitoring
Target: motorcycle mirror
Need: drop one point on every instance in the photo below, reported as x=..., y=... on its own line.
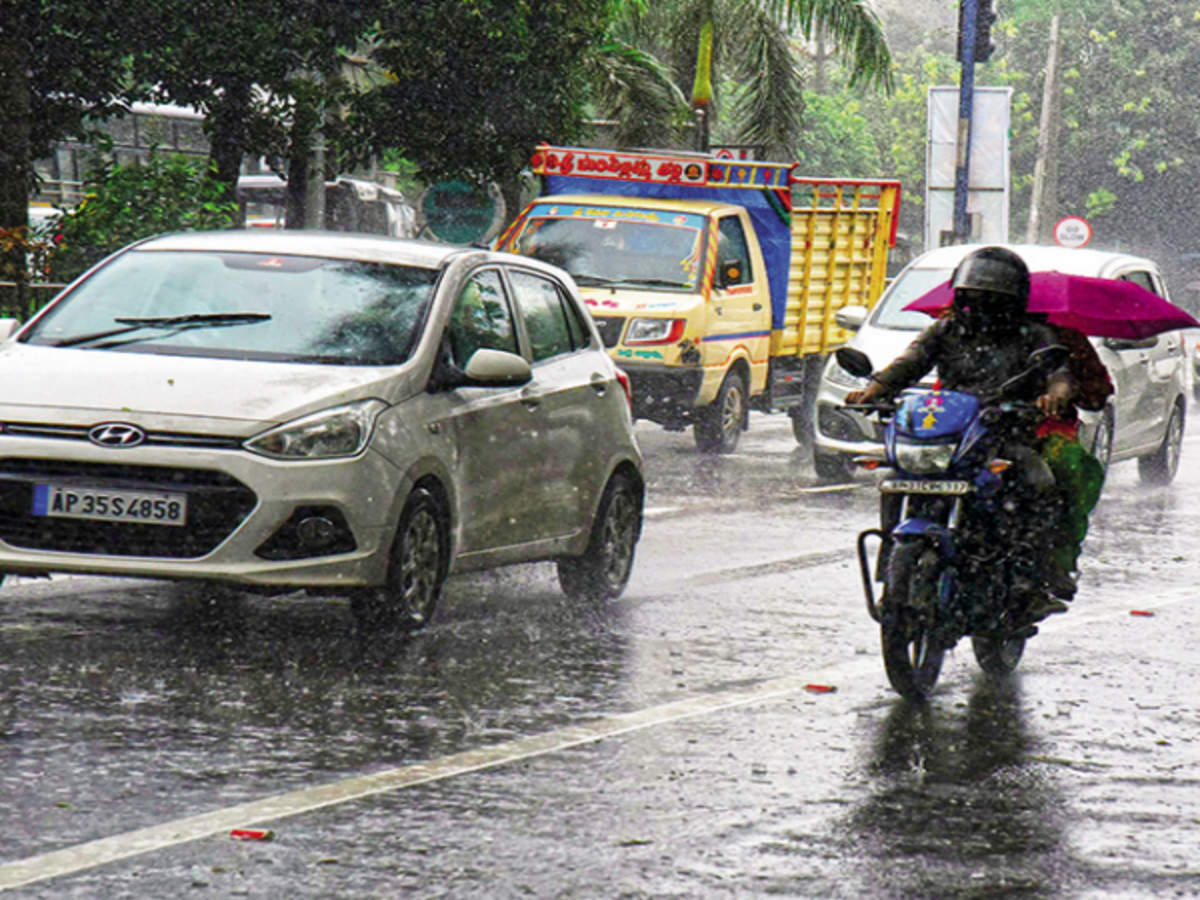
x=1047, y=359
x=854, y=361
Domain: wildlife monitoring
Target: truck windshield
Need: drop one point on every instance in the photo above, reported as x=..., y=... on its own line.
x=605, y=245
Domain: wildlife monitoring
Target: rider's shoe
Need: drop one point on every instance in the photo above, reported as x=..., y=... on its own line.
x=1044, y=607
x=1061, y=584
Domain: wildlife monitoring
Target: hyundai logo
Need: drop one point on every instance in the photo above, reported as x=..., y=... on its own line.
x=116, y=434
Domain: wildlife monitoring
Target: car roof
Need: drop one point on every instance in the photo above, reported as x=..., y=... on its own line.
x=702, y=207
x=1039, y=258
x=325, y=244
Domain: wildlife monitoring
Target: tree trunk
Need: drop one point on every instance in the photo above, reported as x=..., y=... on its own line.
x=1043, y=202
x=228, y=132
x=14, y=148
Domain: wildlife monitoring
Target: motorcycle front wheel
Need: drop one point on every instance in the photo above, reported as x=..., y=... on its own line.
x=997, y=654
x=911, y=657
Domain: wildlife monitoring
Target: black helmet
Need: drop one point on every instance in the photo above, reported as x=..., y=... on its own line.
x=993, y=284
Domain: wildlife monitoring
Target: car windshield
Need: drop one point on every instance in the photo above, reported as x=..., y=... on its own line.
x=908, y=286
x=244, y=305
x=605, y=245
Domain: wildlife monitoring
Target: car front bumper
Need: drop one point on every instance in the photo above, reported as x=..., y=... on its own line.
x=242, y=515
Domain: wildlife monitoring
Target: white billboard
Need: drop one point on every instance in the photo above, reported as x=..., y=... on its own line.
x=988, y=174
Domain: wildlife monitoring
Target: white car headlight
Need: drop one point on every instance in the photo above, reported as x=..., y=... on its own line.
x=330, y=434
x=924, y=459
x=839, y=376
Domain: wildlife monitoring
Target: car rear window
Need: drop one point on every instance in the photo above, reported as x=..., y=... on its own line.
x=245, y=305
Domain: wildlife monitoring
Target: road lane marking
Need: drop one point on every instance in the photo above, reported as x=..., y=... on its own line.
x=99, y=852
x=168, y=834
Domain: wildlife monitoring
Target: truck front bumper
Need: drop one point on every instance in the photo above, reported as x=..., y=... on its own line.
x=664, y=395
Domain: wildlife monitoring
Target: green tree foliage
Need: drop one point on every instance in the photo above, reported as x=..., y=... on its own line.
x=474, y=86
x=59, y=62
x=754, y=55
x=126, y=203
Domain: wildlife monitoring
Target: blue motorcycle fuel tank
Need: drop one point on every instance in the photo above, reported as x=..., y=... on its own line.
x=930, y=415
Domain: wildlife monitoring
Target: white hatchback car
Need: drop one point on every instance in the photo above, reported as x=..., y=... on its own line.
x=1144, y=417
x=342, y=413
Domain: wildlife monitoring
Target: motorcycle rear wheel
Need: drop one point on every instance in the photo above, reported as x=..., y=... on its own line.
x=997, y=653
x=911, y=657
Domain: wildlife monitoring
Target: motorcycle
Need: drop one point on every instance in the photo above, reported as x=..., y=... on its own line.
x=964, y=526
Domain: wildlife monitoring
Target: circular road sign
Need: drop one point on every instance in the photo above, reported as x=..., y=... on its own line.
x=1072, y=231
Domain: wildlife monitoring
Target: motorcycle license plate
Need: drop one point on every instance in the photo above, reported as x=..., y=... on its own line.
x=925, y=487
x=143, y=507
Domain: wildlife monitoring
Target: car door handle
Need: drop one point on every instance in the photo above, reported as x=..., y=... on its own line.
x=757, y=307
x=599, y=384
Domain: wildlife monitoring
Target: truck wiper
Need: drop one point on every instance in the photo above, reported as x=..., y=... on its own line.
x=655, y=282
x=589, y=278
x=170, y=323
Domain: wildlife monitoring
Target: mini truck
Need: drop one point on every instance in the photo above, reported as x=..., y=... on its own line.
x=714, y=282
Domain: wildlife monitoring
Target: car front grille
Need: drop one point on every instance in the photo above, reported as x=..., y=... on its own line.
x=216, y=504
x=610, y=328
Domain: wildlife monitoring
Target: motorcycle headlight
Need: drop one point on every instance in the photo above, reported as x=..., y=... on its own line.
x=330, y=434
x=839, y=376
x=924, y=459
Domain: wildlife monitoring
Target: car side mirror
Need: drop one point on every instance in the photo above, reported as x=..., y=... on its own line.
x=851, y=317
x=496, y=368
x=854, y=361
x=729, y=273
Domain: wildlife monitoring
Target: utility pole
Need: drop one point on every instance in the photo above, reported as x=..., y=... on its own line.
x=966, y=100
x=975, y=18
x=1045, y=169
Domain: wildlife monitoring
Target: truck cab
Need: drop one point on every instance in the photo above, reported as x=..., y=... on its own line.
x=678, y=290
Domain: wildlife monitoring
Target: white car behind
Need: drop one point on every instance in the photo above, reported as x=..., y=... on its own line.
x=1144, y=418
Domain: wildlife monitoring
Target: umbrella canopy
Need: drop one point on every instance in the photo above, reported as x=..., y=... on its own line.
x=1100, y=307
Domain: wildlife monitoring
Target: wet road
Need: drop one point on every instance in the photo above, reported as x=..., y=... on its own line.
x=670, y=745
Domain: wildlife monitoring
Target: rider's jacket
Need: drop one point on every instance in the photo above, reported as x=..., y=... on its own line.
x=969, y=358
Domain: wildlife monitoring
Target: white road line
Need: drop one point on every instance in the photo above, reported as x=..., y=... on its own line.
x=180, y=831
x=157, y=837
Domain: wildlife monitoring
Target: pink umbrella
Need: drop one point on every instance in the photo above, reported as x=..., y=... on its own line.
x=1101, y=307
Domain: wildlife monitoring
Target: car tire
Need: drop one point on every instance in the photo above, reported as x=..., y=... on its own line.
x=602, y=572
x=420, y=559
x=802, y=425
x=719, y=425
x=832, y=468
x=1161, y=465
x=1102, y=439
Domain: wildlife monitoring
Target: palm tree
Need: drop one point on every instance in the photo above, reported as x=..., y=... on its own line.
x=755, y=60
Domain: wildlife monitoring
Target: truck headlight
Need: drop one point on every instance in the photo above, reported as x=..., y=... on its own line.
x=924, y=459
x=654, y=331
x=330, y=434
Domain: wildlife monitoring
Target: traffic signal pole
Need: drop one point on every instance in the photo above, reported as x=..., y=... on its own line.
x=966, y=102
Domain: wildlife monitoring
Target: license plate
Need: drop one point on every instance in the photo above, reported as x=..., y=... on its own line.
x=925, y=487
x=144, y=507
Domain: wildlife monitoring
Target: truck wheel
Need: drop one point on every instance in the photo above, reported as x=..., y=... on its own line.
x=832, y=469
x=719, y=426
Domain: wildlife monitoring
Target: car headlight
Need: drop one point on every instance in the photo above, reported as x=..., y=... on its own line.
x=330, y=434
x=839, y=376
x=654, y=331
x=924, y=459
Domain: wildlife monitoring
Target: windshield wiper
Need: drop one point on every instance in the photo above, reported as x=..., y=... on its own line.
x=171, y=323
x=588, y=278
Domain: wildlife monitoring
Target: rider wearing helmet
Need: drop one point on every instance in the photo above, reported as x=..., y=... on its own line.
x=984, y=340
